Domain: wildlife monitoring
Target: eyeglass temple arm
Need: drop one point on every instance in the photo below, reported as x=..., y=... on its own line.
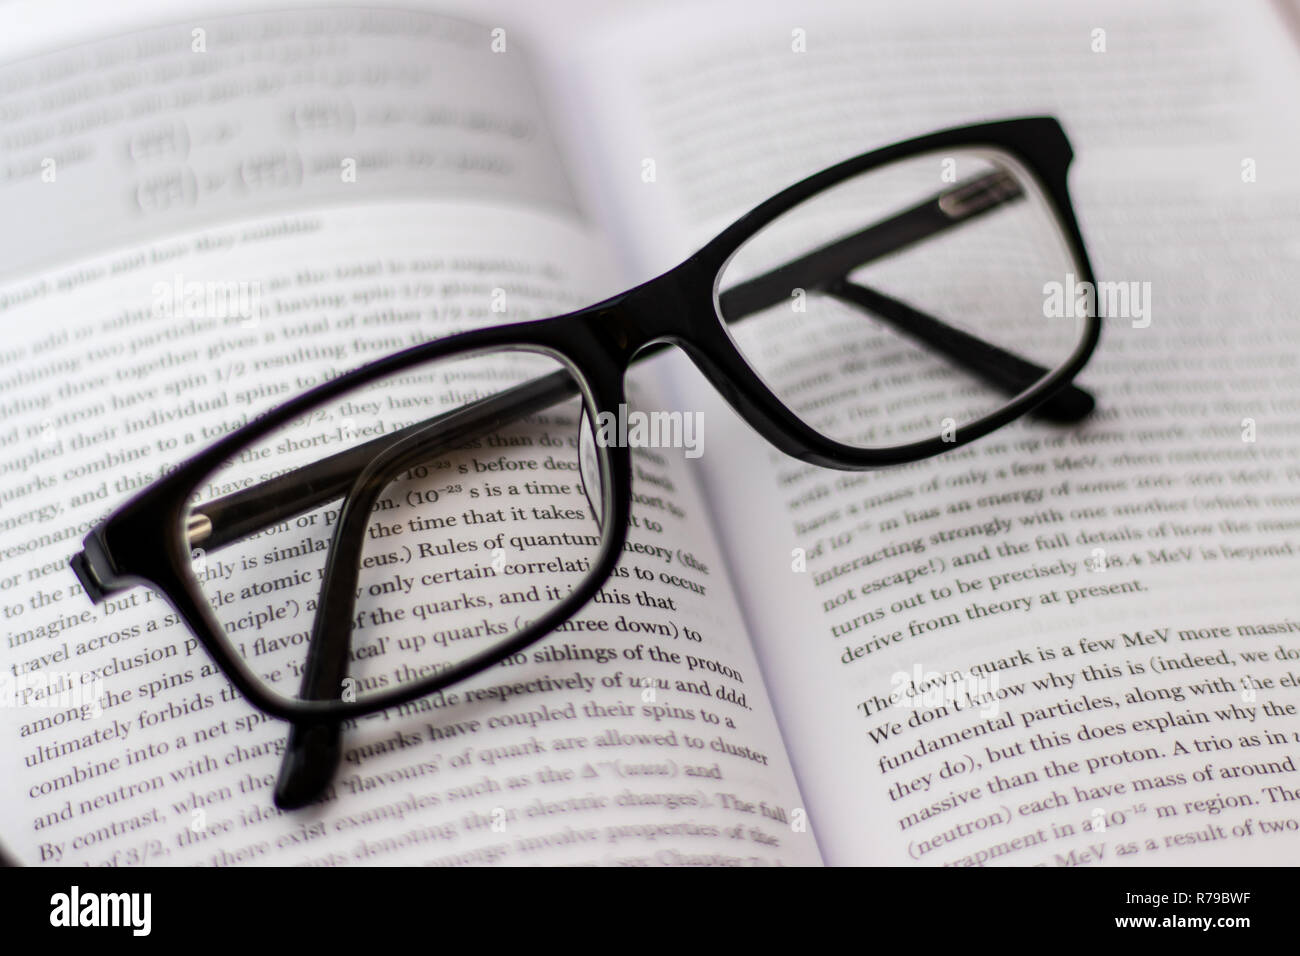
x=312, y=750
x=216, y=523
x=827, y=269
x=838, y=258
x=1004, y=370
x=242, y=513
x=824, y=269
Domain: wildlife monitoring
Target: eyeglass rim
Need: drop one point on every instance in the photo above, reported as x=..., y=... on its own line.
x=1040, y=146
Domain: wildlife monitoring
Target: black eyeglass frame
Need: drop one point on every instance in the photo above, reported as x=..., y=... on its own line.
x=144, y=541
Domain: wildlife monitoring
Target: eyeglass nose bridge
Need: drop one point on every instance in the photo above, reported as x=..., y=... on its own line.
x=665, y=310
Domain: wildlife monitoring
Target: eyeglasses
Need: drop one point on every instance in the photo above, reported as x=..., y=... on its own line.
x=882, y=311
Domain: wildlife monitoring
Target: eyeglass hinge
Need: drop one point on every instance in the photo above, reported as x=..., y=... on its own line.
x=85, y=573
x=983, y=193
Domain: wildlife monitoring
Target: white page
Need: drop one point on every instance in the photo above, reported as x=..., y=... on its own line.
x=1162, y=122
x=101, y=394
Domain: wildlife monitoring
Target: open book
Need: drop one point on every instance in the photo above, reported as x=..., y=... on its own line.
x=1055, y=646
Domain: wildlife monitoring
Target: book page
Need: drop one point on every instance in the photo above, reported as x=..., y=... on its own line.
x=639, y=735
x=1115, y=604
